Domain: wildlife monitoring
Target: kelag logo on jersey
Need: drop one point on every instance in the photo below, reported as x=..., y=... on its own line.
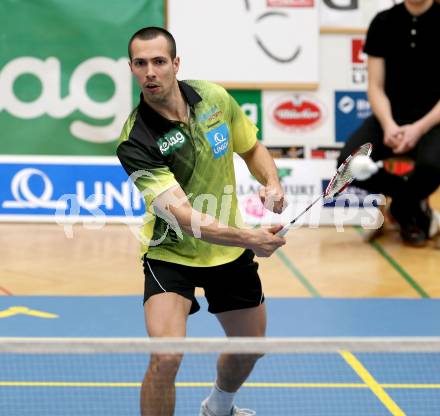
x=219, y=140
x=172, y=141
x=67, y=189
x=352, y=108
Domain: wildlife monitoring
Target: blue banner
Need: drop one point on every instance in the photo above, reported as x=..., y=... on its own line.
x=65, y=187
x=351, y=109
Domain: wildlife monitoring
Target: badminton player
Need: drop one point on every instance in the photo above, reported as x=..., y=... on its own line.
x=178, y=145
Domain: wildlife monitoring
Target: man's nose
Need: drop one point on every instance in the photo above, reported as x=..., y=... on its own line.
x=150, y=74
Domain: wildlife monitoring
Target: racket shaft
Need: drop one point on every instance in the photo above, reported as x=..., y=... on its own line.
x=284, y=230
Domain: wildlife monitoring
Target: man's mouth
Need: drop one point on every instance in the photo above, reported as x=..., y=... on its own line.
x=152, y=87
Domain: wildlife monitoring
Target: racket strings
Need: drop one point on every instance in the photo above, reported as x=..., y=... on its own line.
x=344, y=175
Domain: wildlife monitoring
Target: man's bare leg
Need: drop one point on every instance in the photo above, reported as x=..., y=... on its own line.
x=165, y=316
x=234, y=369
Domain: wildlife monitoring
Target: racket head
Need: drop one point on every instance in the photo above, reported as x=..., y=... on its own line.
x=343, y=176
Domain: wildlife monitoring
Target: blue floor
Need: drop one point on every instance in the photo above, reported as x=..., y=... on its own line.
x=295, y=384
x=122, y=316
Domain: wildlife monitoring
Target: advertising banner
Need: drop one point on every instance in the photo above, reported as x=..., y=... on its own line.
x=352, y=108
x=258, y=43
x=65, y=84
x=97, y=190
x=66, y=188
x=250, y=103
x=353, y=15
x=296, y=118
x=359, y=75
x=303, y=181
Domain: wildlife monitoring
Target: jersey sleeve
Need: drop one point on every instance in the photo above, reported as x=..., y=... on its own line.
x=145, y=166
x=243, y=131
x=375, y=44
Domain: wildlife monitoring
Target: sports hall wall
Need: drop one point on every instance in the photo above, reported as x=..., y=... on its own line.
x=295, y=66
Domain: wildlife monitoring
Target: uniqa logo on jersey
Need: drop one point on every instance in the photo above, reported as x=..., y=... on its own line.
x=219, y=140
x=59, y=189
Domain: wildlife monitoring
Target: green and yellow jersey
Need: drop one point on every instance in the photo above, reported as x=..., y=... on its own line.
x=159, y=153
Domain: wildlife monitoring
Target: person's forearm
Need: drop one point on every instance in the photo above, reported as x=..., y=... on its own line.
x=209, y=229
x=431, y=119
x=174, y=207
x=380, y=105
x=260, y=163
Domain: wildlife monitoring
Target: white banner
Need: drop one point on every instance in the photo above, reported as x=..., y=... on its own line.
x=351, y=14
x=246, y=42
x=297, y=118
x=304, y=181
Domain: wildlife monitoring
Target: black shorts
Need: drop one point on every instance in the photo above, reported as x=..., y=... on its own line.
x=230, y=286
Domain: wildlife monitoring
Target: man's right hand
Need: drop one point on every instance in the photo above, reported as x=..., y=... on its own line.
x=264, y=241
x=392, y=135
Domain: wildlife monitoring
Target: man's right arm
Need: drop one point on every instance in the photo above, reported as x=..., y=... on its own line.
x=174, y=206
x=379, y=101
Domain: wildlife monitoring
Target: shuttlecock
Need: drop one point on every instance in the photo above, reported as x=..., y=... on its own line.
x=362, y=167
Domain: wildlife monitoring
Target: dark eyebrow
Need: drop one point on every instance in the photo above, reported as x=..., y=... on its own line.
x=151, y=59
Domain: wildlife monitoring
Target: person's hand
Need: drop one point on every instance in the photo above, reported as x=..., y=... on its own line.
x=272, y=197
x=264, y=241
x=411, y=135
x=392, y=135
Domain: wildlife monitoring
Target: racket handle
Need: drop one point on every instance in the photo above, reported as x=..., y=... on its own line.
x=283, y=231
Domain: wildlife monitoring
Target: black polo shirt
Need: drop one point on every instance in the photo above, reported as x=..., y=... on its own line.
x=410, y=46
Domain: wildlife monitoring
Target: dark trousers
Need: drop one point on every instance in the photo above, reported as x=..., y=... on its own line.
x=422, y=181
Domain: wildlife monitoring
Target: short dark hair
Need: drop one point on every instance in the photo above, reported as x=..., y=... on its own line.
x=152, y=32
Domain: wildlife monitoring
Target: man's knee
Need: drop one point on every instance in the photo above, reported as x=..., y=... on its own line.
x=245, y=360
x=165, y=365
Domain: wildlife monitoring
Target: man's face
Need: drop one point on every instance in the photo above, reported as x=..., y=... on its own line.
x=153, y=68
x=418, y=2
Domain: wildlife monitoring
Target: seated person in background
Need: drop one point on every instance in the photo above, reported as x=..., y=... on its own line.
x=404, y=93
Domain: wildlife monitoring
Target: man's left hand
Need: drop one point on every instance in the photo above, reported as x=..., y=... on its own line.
x=272, y=197
x=411, y=135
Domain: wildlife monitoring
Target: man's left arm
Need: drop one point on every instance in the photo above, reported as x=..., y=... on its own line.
x=414, y=131
x=262, y=166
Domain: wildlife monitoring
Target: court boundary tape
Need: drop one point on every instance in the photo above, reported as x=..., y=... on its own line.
x=396, y=266
x=297, y=273
x=371, y=382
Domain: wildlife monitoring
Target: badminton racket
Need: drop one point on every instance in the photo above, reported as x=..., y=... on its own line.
x=340, y=181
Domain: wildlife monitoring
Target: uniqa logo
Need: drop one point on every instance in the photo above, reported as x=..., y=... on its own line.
x=25, y=198
x=51, y=103
x=105, y=194
x=219, y=138
x=297, y=113
x=169, y=144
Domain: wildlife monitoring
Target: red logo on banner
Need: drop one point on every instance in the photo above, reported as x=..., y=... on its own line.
x=357, y=51
x=297, y=113
x=290, y=3
x=254, y=207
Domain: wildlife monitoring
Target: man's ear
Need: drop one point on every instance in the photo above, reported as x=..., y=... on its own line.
x=176, y=64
